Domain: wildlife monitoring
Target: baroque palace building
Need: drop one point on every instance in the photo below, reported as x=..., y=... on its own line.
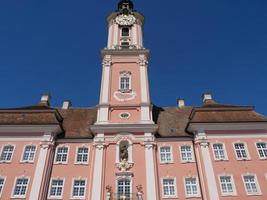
x=125, y=148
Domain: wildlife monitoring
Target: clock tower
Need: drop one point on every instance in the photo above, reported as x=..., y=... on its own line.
x=124, y=129
x=124, y=96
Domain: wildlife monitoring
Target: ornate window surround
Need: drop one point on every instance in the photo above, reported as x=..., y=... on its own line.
x=224, y=151
x=126, y=74
x=7, y=161
x=175, y=188
x=245, y=148
x=76, y=155
x=258, y=142
x=256, y=182
x=61, y=162
x=22, y=155
x=50, y=186
x=72, y=187
x=14, y=186
x=124, y=176
x=171, y=154
x=192, y=153
x=197, y=185
x=3, y=186
x=234, y=193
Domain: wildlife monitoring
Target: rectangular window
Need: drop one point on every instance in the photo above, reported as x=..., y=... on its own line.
x=169, y=187
x=125, y=32
x=186, y=153
x=251, y=184
x=7, y=152
x=191, y=187
x=56, y=188
x=29, y=153
x=125, y=83
x=78, y=188
x=21, y=187
x=240, y=150
x=219, y=152
x=82, y=155
x=165, y=154
x=262, y=150
x=226, y=185
x=2, y=182
x=62, y=154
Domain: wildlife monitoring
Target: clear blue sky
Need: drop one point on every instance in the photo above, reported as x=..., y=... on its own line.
x=196, y=46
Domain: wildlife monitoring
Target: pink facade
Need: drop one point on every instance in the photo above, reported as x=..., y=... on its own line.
x=126, y=148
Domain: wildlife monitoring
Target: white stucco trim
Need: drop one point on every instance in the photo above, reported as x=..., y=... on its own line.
x=150, y=172
x=143, y=82
x=116, y=34
x=209, y=172
x=109, y=35
x=38, y=174
x=134, y=34
x=97, y=178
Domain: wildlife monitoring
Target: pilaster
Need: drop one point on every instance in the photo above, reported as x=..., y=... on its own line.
x=149, y=144
x=203, y=144
x=99, y=145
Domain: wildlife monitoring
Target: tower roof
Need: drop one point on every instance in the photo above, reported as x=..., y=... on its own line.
x=125, y=5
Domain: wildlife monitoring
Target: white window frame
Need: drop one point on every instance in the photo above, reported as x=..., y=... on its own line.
x=124, y=74
x=14, y=186
x=224, y=151
x=61, y=162
x=175, y=188
x=234, y=193
x=11, y=158
x=22, y=157
x=50, y=187
x=256, y=183
x=1, y=192
x=245, y=148
x=197, y=185
x=261, y=158
x=127, y=177
x=72, y=188
x=171, y=154
x=192, y=154
x=76, y=155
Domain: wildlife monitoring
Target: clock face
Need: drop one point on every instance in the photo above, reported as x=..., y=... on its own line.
x=125, y=20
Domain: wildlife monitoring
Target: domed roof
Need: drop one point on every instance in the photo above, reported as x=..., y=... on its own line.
x=128, y=3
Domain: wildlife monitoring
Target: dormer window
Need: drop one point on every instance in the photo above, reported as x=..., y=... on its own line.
x=125, y=32
x=125, y=81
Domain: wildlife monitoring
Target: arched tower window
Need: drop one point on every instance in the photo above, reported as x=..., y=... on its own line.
x=125, y=32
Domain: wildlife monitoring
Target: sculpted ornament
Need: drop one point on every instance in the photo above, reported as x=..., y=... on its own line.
x=124, y=96
x=124, y=165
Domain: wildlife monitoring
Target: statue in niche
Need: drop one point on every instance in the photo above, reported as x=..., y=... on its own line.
x=124, y=152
